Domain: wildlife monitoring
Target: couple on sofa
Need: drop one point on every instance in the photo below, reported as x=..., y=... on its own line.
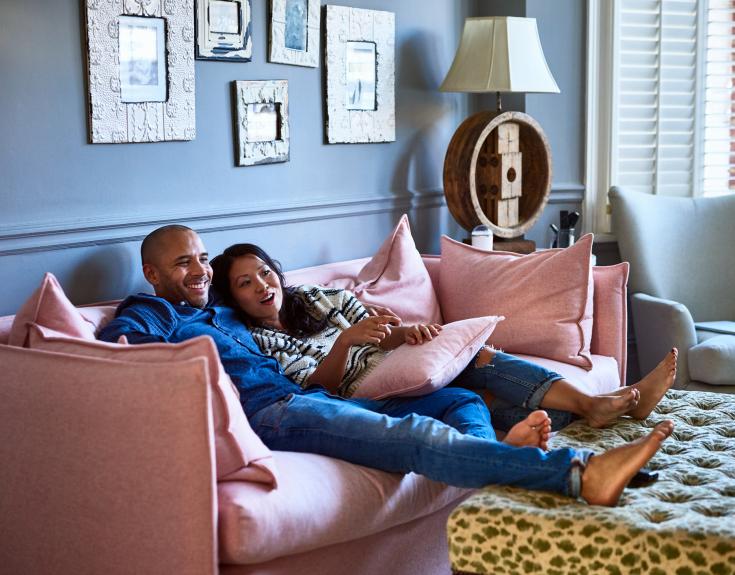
x=293, y=351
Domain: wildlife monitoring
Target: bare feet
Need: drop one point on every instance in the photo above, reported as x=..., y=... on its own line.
x=653, y=387
x=534, y=431
x=607, y=474
x=602, y=410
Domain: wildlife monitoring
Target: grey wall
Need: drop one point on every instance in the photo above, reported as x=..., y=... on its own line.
x=80, y=210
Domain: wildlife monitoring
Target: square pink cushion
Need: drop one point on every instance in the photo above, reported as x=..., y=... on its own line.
x=240, y=453
x=420, y=369
x=546, y=297
x=48, y=306
x=396, y=278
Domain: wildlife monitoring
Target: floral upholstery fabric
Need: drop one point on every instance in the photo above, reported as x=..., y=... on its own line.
x=684, y=524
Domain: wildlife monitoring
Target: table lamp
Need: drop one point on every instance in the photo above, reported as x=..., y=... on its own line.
x=497, y=169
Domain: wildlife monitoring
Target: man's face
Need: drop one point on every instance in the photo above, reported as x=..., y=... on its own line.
x=180, y=271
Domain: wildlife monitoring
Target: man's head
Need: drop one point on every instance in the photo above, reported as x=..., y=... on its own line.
x=176, y=264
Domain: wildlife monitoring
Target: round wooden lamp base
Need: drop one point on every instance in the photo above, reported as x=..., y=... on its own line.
x=497, y=172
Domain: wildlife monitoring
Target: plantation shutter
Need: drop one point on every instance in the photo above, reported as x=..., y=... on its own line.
x=719, y=106
x=654, y=127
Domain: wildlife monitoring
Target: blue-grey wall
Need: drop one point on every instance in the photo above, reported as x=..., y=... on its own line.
x=80, y=210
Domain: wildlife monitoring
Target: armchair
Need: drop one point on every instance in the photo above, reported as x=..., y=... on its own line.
x=682, y=282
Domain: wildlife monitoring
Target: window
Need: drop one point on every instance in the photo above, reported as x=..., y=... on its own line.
x=661, y=104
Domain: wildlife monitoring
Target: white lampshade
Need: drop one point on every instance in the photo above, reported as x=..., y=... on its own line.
x=499, y=54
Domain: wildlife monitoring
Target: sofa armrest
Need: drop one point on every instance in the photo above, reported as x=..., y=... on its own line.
x=610, y=326
x=659, y=325
x=107, y=466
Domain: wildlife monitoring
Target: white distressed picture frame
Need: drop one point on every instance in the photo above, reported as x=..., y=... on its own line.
x=110, y=119
x=227, y=47
x=280, y=53
x=250, y=150
x=343, y=125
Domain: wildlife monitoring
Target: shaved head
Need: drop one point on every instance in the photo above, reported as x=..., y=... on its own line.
x=152, y=246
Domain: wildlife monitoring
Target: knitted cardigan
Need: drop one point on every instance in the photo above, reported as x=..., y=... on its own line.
x=299, y=357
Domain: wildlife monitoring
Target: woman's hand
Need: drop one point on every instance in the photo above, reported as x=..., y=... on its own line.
x=380, y=310
x=421, y=333
x=372, y=330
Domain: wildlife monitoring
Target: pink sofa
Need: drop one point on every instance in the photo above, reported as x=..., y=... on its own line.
x=85, y=487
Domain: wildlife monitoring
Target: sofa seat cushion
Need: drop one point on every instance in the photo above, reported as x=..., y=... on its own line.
x=713, y=360
x=709, y=329
x=604, y=376
x=320, y=501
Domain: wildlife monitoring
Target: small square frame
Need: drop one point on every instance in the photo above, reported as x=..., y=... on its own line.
x=280, y=53
x=250, y=151
x=112, y=121
x=233, y=41
x=348, y=126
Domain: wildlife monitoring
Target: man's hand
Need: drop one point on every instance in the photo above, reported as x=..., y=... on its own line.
x=421, y=333
x=371, y=330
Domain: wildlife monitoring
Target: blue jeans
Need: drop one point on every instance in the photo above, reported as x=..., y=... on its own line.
x=517, y=386
x=445, y=435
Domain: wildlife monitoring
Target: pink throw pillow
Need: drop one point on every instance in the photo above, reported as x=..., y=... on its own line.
x=396, y=278
x=547, y=297
x=48, y=306
x=240, y=453
x=420, y=369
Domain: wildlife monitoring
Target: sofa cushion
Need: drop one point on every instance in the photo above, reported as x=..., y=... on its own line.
x=603, y=378
x=547, y=297
x=420, y=369
x=396, y=278
x=107, y=466
x=713, y=360
x=48, y=306
x=240, y=454
x=320, y=501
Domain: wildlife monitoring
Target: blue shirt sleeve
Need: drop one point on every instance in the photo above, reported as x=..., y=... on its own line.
x=141, y=319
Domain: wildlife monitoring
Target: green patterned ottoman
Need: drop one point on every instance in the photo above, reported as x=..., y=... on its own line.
x=684, y=524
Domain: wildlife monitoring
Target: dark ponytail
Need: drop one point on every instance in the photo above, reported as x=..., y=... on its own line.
x=294, y=315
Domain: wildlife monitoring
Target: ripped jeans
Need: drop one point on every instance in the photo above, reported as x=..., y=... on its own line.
x=517, y=386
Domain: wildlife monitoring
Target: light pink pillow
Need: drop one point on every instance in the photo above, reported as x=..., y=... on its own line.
x=547, y=297
x=396, y=278
x=420, y=369
x=48, y=306
x=240, y=453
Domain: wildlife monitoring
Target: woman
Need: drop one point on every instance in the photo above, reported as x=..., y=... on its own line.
x=326, y=337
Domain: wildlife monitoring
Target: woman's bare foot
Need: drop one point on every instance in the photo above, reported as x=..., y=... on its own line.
x=607, y=474
x=602, y=410
x=534, y=431
x=653, y=387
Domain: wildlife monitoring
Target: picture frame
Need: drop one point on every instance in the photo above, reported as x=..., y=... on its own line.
x=223, y=30
x=140, y=70
x=360, y=75
x=295, y=32
x=263, y=135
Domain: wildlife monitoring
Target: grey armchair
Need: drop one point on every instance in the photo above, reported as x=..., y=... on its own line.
x=682, y=282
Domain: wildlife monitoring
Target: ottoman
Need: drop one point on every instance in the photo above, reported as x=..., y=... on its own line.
x=684, y=524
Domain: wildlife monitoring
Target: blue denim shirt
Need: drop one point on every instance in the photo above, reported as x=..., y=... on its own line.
x=145, y=318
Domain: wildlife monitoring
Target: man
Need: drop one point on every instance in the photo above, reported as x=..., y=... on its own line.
x=445, y=435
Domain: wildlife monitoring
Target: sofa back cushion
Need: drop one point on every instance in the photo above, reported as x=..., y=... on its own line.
x=547, y=297
x=240, y=454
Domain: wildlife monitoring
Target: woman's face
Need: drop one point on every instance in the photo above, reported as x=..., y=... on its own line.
x=256, y=289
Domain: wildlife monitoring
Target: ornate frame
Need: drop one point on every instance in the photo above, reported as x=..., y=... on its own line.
x=247, y=92
x=281, y=54
x=358, y=25
x=114, y=121
x=230, y=47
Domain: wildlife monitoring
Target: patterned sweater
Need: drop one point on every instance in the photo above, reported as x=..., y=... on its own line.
x=299, y=357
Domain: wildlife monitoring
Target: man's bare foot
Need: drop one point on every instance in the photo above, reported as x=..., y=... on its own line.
x=653, y=387
x=607, y=474
x=602, y=410
x=534, y=431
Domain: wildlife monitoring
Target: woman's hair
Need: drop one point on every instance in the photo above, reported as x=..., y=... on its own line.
x=293, y=315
